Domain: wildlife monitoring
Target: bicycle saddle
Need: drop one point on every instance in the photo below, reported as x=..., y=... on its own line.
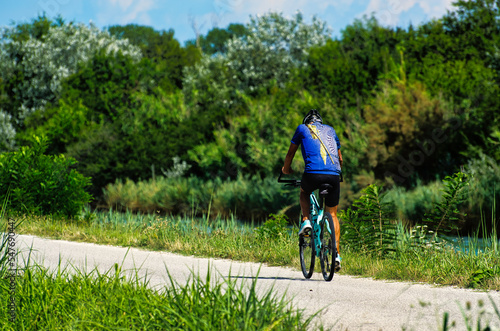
x=324, y=188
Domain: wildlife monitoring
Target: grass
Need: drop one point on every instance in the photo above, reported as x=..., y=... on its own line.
x=68, y=299
x=109, y=300
x=466, y=267
x=481, y=322
x=71, y=300
x=202, y=237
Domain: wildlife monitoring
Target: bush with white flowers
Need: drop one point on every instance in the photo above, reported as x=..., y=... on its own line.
x=37, y=66
x=7, y=132
x=275, y=46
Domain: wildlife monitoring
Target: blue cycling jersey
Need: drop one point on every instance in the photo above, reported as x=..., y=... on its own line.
x=316, y=157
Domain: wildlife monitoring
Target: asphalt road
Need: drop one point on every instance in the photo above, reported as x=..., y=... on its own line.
x=346, y=303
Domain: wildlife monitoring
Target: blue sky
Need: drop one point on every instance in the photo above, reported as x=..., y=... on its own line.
x=183, y=15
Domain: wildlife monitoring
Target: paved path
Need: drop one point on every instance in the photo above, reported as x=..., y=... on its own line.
x=350, y=303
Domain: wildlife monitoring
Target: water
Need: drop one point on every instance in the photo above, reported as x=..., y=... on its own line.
x=479, y=245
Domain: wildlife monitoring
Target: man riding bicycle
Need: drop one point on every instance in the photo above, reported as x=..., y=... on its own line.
x=323, y=162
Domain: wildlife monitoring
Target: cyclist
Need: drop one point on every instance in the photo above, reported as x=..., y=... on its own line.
x=323, y=162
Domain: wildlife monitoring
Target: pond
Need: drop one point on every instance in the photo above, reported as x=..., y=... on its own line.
x=468, y=244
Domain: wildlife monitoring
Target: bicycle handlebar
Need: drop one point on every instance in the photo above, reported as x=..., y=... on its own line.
x=289, y=182
x=296, y=182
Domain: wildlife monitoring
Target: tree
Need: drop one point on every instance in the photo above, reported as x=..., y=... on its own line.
x=215, y=40
x=61, y=125
x=266, y=58
x=144, y=136
x=406, y=130
x=220, y=87
x=37, y=29
x=274, y=47
x=106, y=82
x=475, y=27
x=94, y=110
x=164, y=51
x=350, y=67
x=253, y=143
x=34, y=59
x=455, y=57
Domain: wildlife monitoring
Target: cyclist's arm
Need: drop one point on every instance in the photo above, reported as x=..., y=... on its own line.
x=337, y=140
x=288, y=159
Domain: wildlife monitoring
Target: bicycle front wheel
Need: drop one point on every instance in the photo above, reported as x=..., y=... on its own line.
x=307, y=254
x=328, y=247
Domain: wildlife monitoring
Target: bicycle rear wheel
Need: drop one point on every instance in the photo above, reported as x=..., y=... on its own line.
x=328, y=247
x=307, y=254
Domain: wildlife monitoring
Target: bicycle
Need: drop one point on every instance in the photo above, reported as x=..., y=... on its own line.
x=320, y=242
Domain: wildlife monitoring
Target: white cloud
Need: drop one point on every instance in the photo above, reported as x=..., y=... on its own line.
x=387, y=12
x=230, y=11
x=308, y=7
x=127, y=11
x=124, y=4
x=287, y=7
x=139, y=12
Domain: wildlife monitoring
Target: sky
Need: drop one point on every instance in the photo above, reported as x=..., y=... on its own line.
x=186, y=17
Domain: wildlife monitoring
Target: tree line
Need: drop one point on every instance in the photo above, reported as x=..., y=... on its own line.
x=410, y=104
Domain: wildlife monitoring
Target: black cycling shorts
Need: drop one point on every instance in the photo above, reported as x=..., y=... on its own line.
x=311, y=182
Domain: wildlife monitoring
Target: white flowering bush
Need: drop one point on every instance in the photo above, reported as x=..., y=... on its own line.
x=7, y=132
x=274, y=47
x=207, y=81
x=34, y=68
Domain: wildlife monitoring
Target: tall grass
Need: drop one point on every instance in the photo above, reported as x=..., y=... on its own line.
x=4, y=252
x=417, y=252
x=483, y=194
x=201, y=236
x=412, y=205
x=481, y=322
x=413, y=259
x=69, y=299
x=249, y=198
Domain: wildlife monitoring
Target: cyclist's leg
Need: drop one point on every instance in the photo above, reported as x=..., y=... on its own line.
x=336, y=224
x=305, y=204
x=332, y=202
x=307, y=185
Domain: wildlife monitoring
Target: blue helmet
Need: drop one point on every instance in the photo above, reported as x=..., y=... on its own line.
x=312, y=117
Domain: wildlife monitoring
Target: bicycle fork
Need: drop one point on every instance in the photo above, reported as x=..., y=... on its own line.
x=316, y=215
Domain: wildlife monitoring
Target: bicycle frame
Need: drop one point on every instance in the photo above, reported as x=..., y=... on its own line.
x=316, y=213
x=318, y=244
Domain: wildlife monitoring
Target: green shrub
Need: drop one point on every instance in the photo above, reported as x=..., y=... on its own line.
x=175, y=195
x=275, y=227
x=41, y=183
x=368, y=226
x=446, y=214
x=248, y=198
x=412, y=205
x=484, y=190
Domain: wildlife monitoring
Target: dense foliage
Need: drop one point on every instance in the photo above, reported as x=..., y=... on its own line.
x=216, y=39
x=36, y=59
x=31, y=182
x=411, y=104
x=163, y=50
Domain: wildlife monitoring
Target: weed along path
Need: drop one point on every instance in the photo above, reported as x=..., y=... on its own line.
x=346, y=303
